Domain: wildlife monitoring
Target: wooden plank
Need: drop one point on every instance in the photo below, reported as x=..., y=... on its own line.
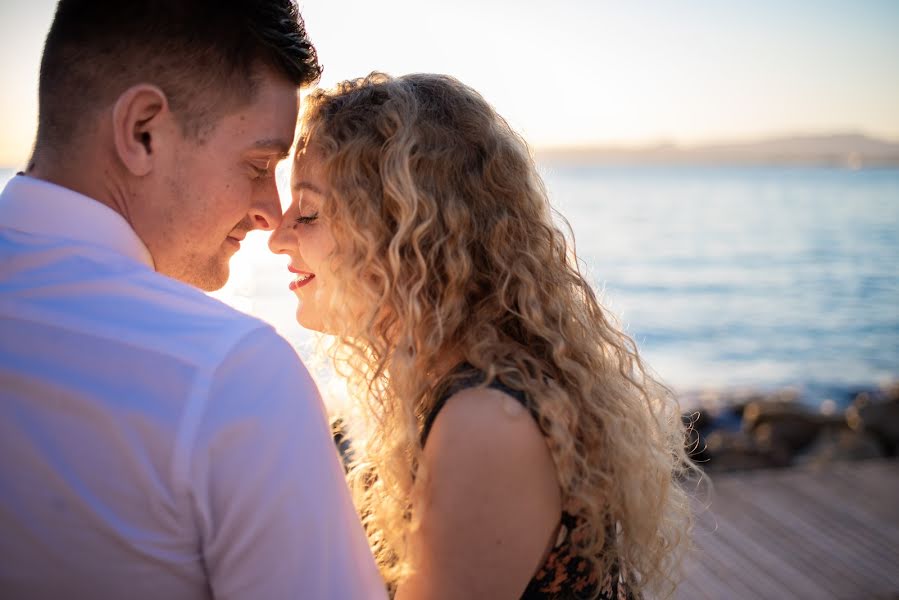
x=863, y=538
x=697, y=575
x=781, y=537
x=817, y=546
x=690, y=589
x=769, y=576
x=834, y=488
x=829, y=532
x=860, y=543
x=880, y=479
x=862, y=530
x=821, y=502
x=726, y=572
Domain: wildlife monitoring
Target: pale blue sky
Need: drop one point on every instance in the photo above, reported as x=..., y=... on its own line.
x=584, y=72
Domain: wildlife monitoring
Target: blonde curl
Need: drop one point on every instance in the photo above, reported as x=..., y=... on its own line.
x=447, y=246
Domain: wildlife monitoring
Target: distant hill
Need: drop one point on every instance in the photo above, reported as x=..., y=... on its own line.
x=850, y=150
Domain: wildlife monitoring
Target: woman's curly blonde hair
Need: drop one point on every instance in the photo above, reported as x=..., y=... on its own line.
x=447, y=247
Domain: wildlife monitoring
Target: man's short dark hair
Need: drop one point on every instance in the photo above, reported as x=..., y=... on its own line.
x=202, y=53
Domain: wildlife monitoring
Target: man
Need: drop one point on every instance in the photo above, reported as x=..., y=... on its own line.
x=155, y=443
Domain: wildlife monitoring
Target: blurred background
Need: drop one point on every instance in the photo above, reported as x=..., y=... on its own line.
x=730, y=169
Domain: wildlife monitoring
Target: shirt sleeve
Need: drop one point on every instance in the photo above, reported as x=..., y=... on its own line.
x=275, y=518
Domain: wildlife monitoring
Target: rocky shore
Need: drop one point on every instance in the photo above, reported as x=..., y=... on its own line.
x=741, y=430
x=753, y=430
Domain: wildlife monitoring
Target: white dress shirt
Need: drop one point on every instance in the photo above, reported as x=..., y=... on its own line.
x=154, y=443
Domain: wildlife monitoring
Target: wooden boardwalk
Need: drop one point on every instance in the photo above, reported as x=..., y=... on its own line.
x=831, y=532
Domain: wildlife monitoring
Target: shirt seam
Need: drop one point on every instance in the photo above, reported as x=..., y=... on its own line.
x=195, y=409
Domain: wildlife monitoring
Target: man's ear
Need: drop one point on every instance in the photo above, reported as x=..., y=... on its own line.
x=138, y=122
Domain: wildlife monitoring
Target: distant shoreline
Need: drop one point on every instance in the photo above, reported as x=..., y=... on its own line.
x=847, y=151
x=841, y=151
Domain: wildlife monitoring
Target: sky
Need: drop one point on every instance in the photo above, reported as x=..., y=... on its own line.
x=585, y=72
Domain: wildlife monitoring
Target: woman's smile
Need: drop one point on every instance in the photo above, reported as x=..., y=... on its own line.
x=302, y=278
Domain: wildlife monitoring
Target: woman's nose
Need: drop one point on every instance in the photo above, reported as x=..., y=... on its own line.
x=282, y=239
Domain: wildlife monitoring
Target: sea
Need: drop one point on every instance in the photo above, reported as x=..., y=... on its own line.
x=728, y=278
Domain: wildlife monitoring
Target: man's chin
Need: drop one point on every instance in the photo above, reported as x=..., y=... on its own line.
x=211, y=279
x=215, y=281
x=208, y=273
x=211, y=286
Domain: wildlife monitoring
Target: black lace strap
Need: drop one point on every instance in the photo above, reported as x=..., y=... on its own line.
x=466, y=376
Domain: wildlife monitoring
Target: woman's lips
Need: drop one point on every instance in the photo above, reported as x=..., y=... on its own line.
x=302, y=278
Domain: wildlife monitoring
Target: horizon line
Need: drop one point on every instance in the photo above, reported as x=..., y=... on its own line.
x=680, y=144
x=668, y=143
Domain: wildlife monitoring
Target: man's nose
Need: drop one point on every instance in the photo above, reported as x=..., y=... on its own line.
x=265, y=213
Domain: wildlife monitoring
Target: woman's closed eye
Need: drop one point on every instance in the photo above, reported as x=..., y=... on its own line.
x=307, y=219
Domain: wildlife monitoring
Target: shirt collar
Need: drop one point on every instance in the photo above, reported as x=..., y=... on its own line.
x=39, y=207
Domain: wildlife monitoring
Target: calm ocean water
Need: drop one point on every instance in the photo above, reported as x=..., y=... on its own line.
x=735, y=277
x=726, y=277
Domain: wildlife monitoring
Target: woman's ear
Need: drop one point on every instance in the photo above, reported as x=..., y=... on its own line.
x=137, y=124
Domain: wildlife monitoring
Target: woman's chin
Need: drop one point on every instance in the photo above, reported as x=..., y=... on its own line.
x=304, y=321
x=310, y=322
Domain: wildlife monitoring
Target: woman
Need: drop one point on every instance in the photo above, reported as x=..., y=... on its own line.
x=515, y=446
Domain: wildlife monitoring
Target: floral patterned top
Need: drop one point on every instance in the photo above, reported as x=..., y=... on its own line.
x=564, y=574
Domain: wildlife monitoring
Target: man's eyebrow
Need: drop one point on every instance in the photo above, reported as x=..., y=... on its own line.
x=274, y=146
x=305, y=185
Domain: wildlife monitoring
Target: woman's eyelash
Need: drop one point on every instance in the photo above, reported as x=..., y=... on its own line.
x=306, y=220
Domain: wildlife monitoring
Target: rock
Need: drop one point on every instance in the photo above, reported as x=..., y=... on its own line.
x=877, y=414
x=732, y=451
x=761, y=410
x=695, y=443
x=785, y=426
x=787, y=433
x=841, y=445
x=891, y=392
x=700, y=420
x=699, y=424
x=748, y=429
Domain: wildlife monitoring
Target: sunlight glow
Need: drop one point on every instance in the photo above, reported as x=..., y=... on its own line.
x=579, y=72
